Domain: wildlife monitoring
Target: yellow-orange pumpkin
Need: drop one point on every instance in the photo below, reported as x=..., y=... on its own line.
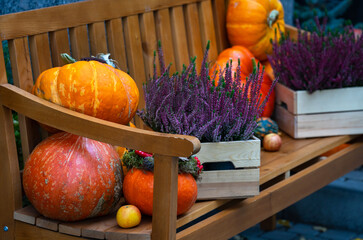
x=92, y=88
x=253, y=23
x=69, y=178
x=138, y=188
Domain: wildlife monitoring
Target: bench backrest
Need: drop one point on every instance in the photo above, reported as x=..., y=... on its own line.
x=129, y=30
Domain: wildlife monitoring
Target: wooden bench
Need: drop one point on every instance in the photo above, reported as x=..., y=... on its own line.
x=129, y=30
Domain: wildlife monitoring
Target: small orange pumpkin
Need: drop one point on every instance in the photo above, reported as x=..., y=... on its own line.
x=245, y=57
x=253, y=23
x=92, y=88
x=138, y=188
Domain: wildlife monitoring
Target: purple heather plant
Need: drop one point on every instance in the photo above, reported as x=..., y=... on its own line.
x=189, y=103
x=320, y=59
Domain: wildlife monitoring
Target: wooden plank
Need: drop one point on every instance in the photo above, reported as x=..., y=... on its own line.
x=149, y=42
x=10, y=182
x=94, y=128
x=179, y=37
x=228, y=190
x=26, y=215
x=3, y=77
x=239, y=153
x=49, y=19
x=22, y=77
x=135, y=59
x=97, y=37
x=193, y=33
x=40, y=53
x=79, y=42
x=165, y=197
x=219, y=15
x=244, y=214
x=59, y=43
x=230, y=176
x=297, y=154
x=207, y=27
x=47, y=223
x=140, y=232
x=116, y=42
x=24, y=231
x=322, y=101
x=163, y=29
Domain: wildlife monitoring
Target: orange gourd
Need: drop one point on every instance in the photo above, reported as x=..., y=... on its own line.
x=70, y=178
x=253, y=23
x=92, y=88
x=138, y=189
x=245, y=56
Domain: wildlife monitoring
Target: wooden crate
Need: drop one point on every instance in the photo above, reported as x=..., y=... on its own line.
x=240, y=181
x=323, y=113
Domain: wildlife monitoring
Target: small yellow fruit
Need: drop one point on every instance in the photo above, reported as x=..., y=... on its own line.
x=128, y=216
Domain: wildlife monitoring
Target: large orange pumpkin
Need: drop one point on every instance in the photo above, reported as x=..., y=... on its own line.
x=92, y=88
x=69, y=178
x=138, y=188
x=245, y=56
x=253, y=23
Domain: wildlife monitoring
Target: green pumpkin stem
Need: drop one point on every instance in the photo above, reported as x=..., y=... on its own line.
x=67, y=58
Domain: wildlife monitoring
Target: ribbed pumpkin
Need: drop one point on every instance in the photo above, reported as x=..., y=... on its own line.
x=138, y=188
x=92, y=88
x=245, y=57
x=253, y=23
x=69, y=178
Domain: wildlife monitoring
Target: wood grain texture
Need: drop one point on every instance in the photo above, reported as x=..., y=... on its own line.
x=165, y=197
x=104, y=131
x=219, y=16
x=3, y=77
x=59, y=43
x=26, y=231
x=79, y=42
x=179, y=37
x=97, y=37
x=149, y=42
x=164, y=34
x=193, y=33
x=71, y=15
x=244, y=214
x=40, y=53
x=116, y=42
x=9, y=174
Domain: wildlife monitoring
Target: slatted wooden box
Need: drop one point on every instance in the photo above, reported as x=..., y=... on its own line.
x=323, y=113
x=239, y=181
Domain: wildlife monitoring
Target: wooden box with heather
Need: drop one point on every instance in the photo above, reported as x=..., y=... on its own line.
x=320, y=89
x=220, y=107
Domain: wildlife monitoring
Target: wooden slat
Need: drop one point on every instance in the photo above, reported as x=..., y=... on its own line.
x=163, y=29
x=179, y=37
x=94, y=128
x=149, y=42
x=207, y=29
x=47, y=223
x=135, y=59
x=3, y=77
x=97, y=36
x=24, y=231
x=219, y=15
x=79, y=42
x=165, y=197
x=193, y=33
x=140, y=232
x=9, y=174
x=75, y=14
x=27, y=215
x=116, y=42
x=245, y=214
x=22, y=77
x=59, y=44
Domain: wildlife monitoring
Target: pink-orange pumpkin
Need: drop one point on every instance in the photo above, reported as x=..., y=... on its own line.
x=69, y=178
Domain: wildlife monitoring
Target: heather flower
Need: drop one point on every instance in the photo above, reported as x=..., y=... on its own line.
x=320, y=59
x=189, y=103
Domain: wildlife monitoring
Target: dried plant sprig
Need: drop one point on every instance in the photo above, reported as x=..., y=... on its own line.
x=189, y=103
x=319, y=59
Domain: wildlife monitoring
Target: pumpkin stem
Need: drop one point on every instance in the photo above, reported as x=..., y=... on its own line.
x=272, y=17
x=67, y=59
